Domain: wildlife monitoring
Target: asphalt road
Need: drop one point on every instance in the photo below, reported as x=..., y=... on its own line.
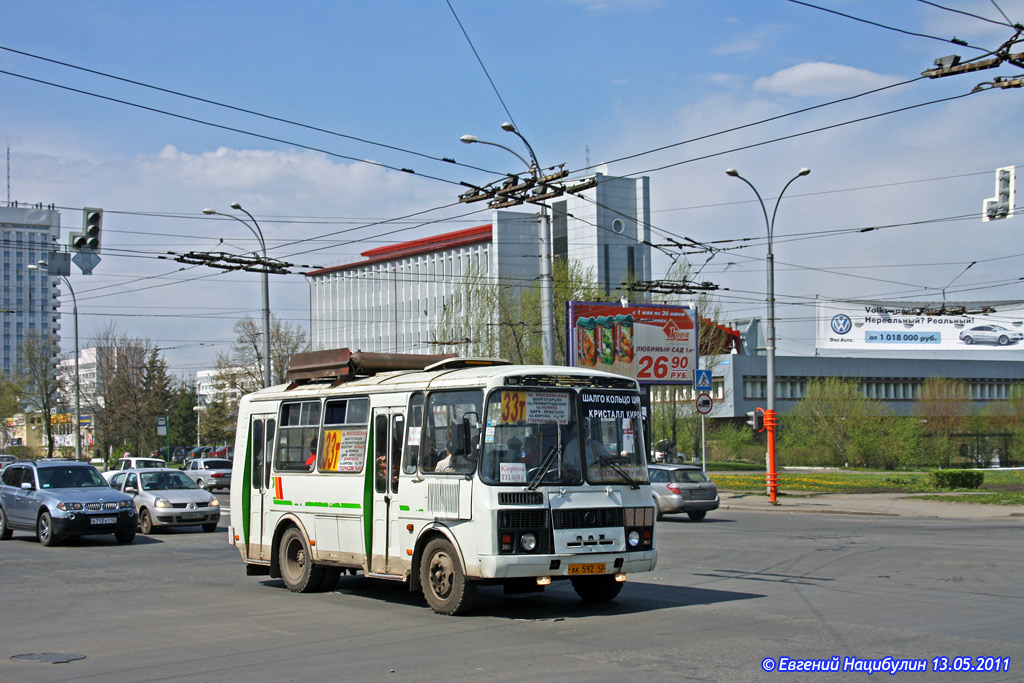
x=727, y=593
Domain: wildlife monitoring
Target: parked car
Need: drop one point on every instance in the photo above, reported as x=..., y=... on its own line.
x=209, y=473
x=166, y=497
x=682, y=488
x=57, y=498
x=6, y=460
x=130, y=463
x=199, y=452
x=991, y=334
x=224, y=452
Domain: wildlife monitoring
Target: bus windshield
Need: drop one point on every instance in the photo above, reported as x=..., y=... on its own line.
x=537, y=437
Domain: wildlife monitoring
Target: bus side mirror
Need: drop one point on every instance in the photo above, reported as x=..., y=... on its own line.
x=470, y=435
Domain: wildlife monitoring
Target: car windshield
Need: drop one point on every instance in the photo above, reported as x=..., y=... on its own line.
x=217, y=465
x=69, y=477
x=151, y=463
x=688, y=476
x=162, y=481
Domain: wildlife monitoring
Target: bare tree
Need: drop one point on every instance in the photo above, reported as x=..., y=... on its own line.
x=40, y=385
x=241, y=369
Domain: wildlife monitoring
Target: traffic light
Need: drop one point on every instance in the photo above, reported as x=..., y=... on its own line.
x=89, y=237
x=1001, y=206
x=755, y=419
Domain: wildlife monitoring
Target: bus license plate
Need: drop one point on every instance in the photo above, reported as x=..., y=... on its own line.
x=594, y=568
x=103, y=520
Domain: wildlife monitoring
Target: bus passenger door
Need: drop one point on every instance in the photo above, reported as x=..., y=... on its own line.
x=259, y=486
x=388, y=431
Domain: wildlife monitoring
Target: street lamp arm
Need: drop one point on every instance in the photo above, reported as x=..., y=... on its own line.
x=469, y=139
x=512, y=129
x=255, y=231
x=771, y=226
x=767, y=223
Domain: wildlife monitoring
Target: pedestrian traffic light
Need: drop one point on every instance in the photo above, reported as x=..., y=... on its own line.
x=89, y=237
x=755, y=418
x=1001, y=206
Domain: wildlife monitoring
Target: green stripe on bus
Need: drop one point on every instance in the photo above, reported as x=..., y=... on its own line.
x=354, y=506
x=403, y=508
x=277, y=501
x=313, y=504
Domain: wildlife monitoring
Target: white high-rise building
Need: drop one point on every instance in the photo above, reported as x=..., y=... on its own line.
x=392, y=301
x=31, y=303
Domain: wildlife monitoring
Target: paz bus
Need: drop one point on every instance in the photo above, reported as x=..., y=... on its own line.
x=445, y=473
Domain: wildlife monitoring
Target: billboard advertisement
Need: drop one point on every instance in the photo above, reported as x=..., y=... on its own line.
x=920, y=326
x=656, y=343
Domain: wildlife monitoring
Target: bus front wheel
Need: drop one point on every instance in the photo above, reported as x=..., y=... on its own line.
x=596, y=589
x=444, y=583
x=299, y=573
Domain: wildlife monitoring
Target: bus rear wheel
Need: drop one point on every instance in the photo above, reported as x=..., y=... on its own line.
x=298, y=572
x=444, y=583
x=596, y=589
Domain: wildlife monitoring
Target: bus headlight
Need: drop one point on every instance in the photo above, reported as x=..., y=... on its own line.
x=634, y=538
x=528, y=542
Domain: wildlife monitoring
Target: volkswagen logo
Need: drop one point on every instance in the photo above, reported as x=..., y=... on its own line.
x=841, y=324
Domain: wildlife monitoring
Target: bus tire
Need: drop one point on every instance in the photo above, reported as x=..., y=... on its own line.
x=597, y=589
x=298, y=572
x=444, y=583
x=329, y=578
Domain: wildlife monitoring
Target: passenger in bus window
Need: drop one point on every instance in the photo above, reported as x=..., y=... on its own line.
x=531, y=453
x=452, y=461
x=311, y=460
x=593, y=450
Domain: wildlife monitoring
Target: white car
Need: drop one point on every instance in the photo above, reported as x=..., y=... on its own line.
x=132, y=463
x=991, y=334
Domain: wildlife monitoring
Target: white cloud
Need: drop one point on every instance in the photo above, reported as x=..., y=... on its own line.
x=822, y=79
x=757, y=39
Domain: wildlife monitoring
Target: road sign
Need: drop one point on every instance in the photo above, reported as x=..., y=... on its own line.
x=704, y=404
x=161, y=426
x=703, y=382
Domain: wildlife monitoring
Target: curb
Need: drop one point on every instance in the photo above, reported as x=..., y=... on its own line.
x=748, y=508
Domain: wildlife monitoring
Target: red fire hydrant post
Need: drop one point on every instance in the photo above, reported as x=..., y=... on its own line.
x=771, y=420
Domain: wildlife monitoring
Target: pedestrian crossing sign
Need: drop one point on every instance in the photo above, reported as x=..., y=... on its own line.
x=703, y=380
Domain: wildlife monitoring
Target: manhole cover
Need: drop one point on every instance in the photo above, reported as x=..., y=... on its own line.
x=49, y=657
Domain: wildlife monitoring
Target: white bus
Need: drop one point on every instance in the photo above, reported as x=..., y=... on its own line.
x=458, y=473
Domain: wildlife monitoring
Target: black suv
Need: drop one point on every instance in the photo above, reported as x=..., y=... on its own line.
x=56, y=498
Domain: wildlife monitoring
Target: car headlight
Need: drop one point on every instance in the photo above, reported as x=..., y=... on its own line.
x=634, y=538
x=69, y=506
x=214, y=503
x=124, y=504
x=528, y=542
x=162, y=503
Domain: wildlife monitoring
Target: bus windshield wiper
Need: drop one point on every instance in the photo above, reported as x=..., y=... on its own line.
x=606, y=461
x=543, y=468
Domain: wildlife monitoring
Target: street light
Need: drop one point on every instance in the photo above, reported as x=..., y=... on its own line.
x=255, y=229
x=547, y=314
x=78, y=380
x=770, y=418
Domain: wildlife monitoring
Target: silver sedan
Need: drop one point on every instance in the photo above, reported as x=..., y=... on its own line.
x=166, y=497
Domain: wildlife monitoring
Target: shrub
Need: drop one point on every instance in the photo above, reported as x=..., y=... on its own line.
x=957, y=479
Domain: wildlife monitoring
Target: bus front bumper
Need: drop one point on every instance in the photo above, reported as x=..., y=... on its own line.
x=527, y=566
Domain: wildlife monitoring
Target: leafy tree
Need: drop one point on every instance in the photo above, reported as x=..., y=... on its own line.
x=181, y=417
x=835, y=421
x=241, y=369
x=40, y=385
x=945, y=406
x=219, y=416
x=134, y=390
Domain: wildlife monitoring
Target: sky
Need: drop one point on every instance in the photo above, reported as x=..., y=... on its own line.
x=306, y=113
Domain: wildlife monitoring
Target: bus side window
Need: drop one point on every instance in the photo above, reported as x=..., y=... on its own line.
x=268, y=441
x=257, y=442
x=300, y=426
x=414, y=434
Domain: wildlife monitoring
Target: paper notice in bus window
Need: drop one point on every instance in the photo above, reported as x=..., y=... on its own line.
x=414, y=436
x=343, y=450
x=512, y=473
x=545, y=407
